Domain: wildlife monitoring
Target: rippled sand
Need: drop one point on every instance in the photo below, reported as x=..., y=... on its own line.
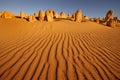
x=60, y=50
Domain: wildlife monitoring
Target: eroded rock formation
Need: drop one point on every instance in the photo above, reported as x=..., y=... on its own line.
x=63, y=15
x=69, y=15
x=109, y=15
x=85, y=18
x=31, y=18
x=111, y=23
x=41, y=15
x=55, y=14
x=0, y=14
x=49, y=15
x=7, y=15
x=36, y=14
x=78, y=16
x=22, y=15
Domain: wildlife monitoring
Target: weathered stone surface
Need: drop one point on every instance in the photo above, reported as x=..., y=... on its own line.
x=109, y=15
x=78, y=16
x=97, y=20
x=111, y=23
x=69, y=15
x=41, y=15
x=1, y=14
x=116, y=20
x=49, y=15
x=7, y=15
x=85, y=18
x=22, y=15
x=36, y=14
x=31, y=18
x=63, y=15
x=55, y=14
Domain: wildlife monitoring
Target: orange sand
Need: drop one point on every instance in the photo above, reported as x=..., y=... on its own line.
x=60, y=50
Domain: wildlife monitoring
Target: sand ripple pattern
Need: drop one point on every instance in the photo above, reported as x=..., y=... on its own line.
x=60, y=56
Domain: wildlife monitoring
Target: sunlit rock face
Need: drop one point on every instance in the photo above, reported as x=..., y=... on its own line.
x=85, y=18
x=63, y=15
x=36, y=14
x=22, y=15
x=78, y=16
x=110, y=20
x=7, y=15
x=49, y=15
x=31, y=18
x=69, y=15
x=41, y=15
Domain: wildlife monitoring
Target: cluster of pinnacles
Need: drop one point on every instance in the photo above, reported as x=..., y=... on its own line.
x=109, y=19
x=47, y=15
x=50, y=15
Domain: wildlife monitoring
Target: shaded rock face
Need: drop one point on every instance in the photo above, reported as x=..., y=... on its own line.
x=55, y=14
x=36, y=14
x=73, y=16
x=7, y=15
x=0, y=14
x=41, y=15
x=97, y=20
x=109, y=15
x=49, y=15
x=116, y=20
x=78, y=15
x=111, y=23
x=69, y=15
x=63, y=15
x=22, y=15
x=85, y=18
x=110, y=20
x=31, y=18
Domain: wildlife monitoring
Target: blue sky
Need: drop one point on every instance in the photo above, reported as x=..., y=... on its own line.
x=92, y=8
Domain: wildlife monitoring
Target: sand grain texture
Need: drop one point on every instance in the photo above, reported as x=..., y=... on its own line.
x=61, y=50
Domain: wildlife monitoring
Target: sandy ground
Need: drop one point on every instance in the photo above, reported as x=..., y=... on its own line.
x=60, y=50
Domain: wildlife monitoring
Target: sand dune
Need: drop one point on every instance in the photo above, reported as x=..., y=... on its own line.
x=60, y=50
